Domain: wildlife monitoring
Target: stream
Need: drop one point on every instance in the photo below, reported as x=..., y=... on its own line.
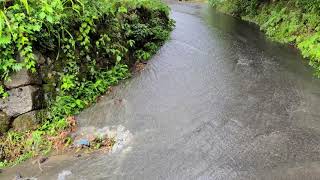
x=218, y=101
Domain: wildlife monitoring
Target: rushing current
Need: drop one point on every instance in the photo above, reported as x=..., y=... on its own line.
x=218, y=101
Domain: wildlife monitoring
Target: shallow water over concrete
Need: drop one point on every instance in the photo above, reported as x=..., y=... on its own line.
x=218, y=101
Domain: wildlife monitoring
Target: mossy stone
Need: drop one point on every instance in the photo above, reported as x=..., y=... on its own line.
x=27, y=121
x=4, y=122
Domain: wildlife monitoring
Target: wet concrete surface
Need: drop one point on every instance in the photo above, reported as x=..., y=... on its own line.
x=219, y=101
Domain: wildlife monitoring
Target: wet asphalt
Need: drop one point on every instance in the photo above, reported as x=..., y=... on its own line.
x=218, y=101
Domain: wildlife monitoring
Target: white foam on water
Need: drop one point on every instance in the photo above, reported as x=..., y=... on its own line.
x=64, y=174
x=122, y=137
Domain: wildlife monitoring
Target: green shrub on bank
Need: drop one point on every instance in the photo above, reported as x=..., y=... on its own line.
x=295, y=27
x=294, y=21
x=92, y=42
x=236, y=7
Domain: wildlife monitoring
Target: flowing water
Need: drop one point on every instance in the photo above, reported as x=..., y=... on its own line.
x=218, y=101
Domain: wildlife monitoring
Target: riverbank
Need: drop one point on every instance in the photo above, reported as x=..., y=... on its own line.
x=290, y=22
x=218, y=101
x=58, y=57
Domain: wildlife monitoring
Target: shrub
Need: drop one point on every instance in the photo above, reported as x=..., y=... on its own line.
x=237, y=7
x=309, y=5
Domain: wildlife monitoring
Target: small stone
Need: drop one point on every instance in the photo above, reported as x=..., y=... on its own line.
x=78, y=155
x=23, y=78
x=22, y=100
x=42, y=160
x=4, y=123
x=27, y=121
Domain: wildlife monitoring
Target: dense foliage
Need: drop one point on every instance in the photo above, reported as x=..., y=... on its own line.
x=287, y=21
x=92, y=42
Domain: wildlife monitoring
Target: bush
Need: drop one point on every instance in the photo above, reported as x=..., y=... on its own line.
x=309, y=5
x=237, y=7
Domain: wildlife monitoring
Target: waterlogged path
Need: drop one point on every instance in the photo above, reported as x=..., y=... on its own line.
x=218, y=101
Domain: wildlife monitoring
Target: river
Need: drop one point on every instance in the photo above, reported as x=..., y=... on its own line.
x=218, y=101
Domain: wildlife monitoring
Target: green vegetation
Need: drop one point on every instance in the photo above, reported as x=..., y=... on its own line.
x=286, y=21
x=92, y=42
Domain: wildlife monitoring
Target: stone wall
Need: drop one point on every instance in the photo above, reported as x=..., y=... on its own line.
x=19, y=111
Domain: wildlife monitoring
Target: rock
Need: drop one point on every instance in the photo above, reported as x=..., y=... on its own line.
x=22, y=100
x=23, y=78
x=4, y=122
x=39, y=58
x=27, y=121
x=2, y=153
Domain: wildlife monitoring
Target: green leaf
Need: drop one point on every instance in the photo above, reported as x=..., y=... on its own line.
x=122, y=9
x=5, y=40
x=42, y=15
x=50, y=19
x=119, y=58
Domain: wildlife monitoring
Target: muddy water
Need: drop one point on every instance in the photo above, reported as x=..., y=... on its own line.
x=218, y=101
